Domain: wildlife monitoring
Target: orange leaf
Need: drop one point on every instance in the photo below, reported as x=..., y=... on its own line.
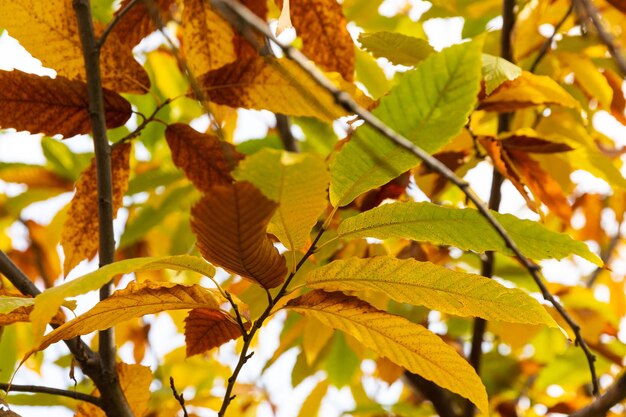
x=53, y=106
x=527, y=90
x=521, y=142
x=206, y=329
x=206, y=160
x=325, y=38
x=230, y=223
x=49, y=30
x=80, y=231
x=243, y=48
x=618, y=104
x=137, y=23
x=33, y=176
x=135, y=381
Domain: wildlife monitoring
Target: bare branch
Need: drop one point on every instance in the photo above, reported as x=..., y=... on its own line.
x=616, y=393
x=243, y=19
x=284, y=131
x=52, y=391
x=548, y=43
x=179, y=397
x=603, y=33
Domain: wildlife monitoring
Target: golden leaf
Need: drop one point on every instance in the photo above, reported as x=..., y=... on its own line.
x=135, y=382
x=136, y=300
x=403, y=342
x=49, y=31
x=80, y=231
x=53, y=106
x=277, y=85
x=527, y=90
x=206, y=329
x=206, y=160
x=325, y=38
x=230, y=223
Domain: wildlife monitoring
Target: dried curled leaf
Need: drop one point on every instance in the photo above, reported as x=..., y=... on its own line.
x=137, y=300
x=323, y=29
x=207, y=329
x=230, y=223
x=206, y=160
x=407, y=344
x=80, y=231
x=53, y=105
x=135, y=382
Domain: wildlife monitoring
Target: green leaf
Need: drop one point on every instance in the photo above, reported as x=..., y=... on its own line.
x=370, y=74
x=60, y=158
x=433, y=286
x=341, y=361
x=429, y=106
x=397, y=48
x=497, y=70
x=297, y=182
x=48, y=302
x=8, y=304
x=466, y=229
x=407, y=344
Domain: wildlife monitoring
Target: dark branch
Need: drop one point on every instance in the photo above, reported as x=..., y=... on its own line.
x=179, y=397
x=114, y=402
x=548, y=43
x=616, y=393
x=439, y=397
x=243, y=19
x=603, y=33
x=284, y=132
x=52, y=391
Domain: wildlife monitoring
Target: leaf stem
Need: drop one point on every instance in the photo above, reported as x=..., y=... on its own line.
x=243, y=19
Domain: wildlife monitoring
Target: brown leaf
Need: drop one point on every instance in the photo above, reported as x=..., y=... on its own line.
x=230, y=223
x=325, y=38
x=533, y=145
x=205, y=159
x=22, y=315
x=135, y=381
x=243, y=49
x=206, y=329
x=44, y=249
x=53, y=106
x=137, y=23
x=80, y=231
x=618, y=104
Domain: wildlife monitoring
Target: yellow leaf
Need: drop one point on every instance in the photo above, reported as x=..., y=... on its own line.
x=135, y=382
x=205, y=159
x=527, y=90
x=230, y=223
x=311, y=405
x=277, y=85
x=403, y=342
x=297, y=182
x=134, y=301
x=588, y=78
x=206, y=329
x=80, y=231
x=323, y=29
x=49, y=31
x=433, y=286
x=315, y=337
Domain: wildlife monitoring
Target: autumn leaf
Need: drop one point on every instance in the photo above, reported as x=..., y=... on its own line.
x=135, y=382
x=230, y=224
x=33, y=176
x=465, y=228
x=137, y=23
x=403, y=342
x=80, y=231
x=297, y=182
x=397, y=48
x=428, y=106
x=325, y=38
x=430, y=285
x=275, y=84
x=588, y=78
x=51, y=299
x=136, y=300
x=527, y=90
x=49, y=31
x=206, y=329
x=53, y=105
x=10, y=303
x=497, y=70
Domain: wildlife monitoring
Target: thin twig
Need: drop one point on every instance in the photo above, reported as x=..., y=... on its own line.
x=179, y=397
x=114, y=400
x=616, y=393
x=548, y=43
x=244, y=356
x=605, y=35
x=116, y=19
x=241, y=18
x=145, y=122
x=52, y=391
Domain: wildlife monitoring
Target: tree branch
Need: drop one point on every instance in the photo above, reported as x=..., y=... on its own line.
x=603, y=33
x=114, y=402
x=439, y=397
x=179, y=397
x=52, y=391
x=616, y=393
x=284, y=132
x=243, y=19
x=546, y=45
